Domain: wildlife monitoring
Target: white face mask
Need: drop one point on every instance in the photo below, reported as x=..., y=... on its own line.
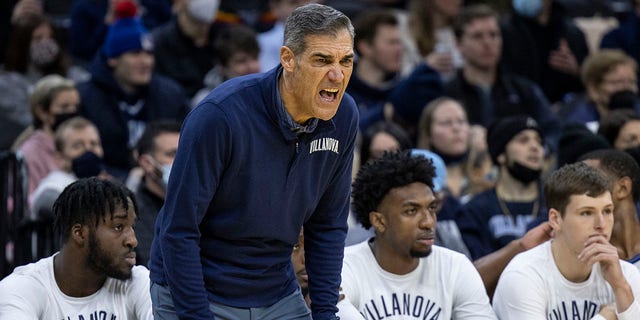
x=166, y=170
x=203, y=10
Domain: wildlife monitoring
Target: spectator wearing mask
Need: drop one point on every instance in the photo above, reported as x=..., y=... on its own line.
x=53, y=100
x=155, y=152
x=611, y=81
x=184, y=48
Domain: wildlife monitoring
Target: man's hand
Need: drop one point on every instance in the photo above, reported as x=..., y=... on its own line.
x=597, y=249
x=563, y=59
x=536, y=236
x=608, y=311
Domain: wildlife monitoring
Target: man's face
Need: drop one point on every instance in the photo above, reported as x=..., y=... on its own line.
x=79, y=141
x=240, y=64
x=386, y=49
x=112, y=244
x=526, y=149
x=481, y=43
x=166, y=146
x=297, y=258
x=409, y=217
x=450, y=129
x=133, y=68
x=584, y=217
x=319, y=76
x=621, y=77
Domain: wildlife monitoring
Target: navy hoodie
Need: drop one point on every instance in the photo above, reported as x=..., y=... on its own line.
x=241, y=187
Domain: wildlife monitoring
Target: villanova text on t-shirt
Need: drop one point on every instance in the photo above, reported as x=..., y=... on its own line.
x=573, y=310
x=96, y=315
x=405, y=306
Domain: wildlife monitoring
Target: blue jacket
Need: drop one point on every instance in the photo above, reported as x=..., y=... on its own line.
x=100, y=102
x=242, y=185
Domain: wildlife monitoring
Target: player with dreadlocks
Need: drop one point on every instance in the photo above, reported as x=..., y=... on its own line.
x=93, y=275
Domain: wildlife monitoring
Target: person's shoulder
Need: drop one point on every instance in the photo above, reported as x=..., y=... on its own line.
x=359, y=252
x=532, y=258
x=29, y=277
x=447, y=256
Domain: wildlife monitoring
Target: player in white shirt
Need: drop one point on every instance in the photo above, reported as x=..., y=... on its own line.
x=578, y=274
x=93, y=275
x=400, y=274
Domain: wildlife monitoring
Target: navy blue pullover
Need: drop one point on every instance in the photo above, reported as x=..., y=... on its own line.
x=242, y=185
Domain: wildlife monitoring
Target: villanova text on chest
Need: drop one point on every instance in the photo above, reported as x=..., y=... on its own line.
x=324, y=144
x=417, y=307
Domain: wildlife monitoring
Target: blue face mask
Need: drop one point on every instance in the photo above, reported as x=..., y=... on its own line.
x=166, y=170
x=528, y=8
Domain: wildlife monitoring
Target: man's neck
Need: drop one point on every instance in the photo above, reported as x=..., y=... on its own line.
x=480, y=77
x=510, y=189
x=625, y=235
x=288, y=98
x=389, y=260
x=568, y=264
x=73, y=277
x=369, y=73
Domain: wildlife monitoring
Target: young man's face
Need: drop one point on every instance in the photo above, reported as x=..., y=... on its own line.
x=133, y=68
x=584, y=217
x=112, y=244
x=526, y=149
x=409, y=217
x=481, y=43
x=320, y=75
x=386, y=49
x=621, y=77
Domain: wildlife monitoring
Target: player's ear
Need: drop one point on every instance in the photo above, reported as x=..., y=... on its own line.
x=377, y=221
x=554, y=218
x=79, y=234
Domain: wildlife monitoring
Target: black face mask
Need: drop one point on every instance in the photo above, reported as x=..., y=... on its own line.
x=624, y=99
x=87, y=165
x=62, y=117
x=523, y=174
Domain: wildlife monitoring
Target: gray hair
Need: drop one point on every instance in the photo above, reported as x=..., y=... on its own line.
x=313, y=19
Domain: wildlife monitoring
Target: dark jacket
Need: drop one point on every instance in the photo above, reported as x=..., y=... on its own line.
x=149, y=205
x=526, y=46
x=242, y=185
x=178, y=58
x=100, y=102
x=510, y=95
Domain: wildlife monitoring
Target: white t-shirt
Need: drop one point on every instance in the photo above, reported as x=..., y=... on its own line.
x=445, y=285
x=532, y=287
x=31, y=292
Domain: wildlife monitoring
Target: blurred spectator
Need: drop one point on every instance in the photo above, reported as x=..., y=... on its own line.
x=237, y=50
x=627, y=35
x=255, y=14
x=410, y=96
x=432, y=38
x=543, y=44
x=576, y=140
x=271, y=40
x=610, y=78
x=184, y=48
x=79, y=155
x=54, y=100
x=124, y=93
x=155, y=151
x=90, y=20
x=376, y=72
x=621, y=128
x=495, y=217
x=383, y=137
x=445, y=130
x=488, y=92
